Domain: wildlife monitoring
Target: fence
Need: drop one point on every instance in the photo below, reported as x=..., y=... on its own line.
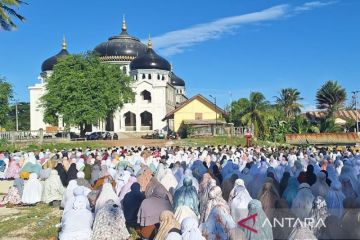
x=221, y=131
x=23, y=136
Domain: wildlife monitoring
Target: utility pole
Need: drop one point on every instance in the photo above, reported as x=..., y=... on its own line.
x=16, y=115
x=355, y=93
x=215, y=112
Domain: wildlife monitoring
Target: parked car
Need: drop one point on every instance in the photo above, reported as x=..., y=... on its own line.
x=73, y=135
x=154, y=135
x=102, y=136
x=95, y=136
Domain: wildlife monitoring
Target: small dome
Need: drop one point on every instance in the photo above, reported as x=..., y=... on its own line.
x=150, y=60
x=176, y=81
x=49, y=63
x=121, y=48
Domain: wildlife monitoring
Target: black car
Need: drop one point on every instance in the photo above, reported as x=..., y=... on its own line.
x=66, y=135
x=95, y=136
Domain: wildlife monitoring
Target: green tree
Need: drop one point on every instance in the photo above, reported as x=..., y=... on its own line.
x=23, y=117
x=288, y=101
x=254, y=113
x=238, y=110
x=6, y=94
x=7, y=11
x=84, y=91
x=330, y=97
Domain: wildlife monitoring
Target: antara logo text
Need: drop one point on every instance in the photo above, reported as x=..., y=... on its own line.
x=249, y=222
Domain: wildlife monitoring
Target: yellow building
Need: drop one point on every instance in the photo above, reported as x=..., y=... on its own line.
x=197, y=112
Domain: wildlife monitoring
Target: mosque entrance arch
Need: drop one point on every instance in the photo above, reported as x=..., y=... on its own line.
x=130, y=121
x=146, y=121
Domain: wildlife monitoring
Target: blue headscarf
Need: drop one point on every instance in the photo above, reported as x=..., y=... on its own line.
x=291, y=190
x=187, y=196
x=264, y=231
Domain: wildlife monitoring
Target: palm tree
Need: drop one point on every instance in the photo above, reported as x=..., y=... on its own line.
x=7, y=11
x=330, y=97
x=288, y=101
x=255, y=112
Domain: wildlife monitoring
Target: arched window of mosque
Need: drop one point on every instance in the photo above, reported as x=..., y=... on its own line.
x=143, y=76
x=158, y=76
x=149, y=76
x=146, y=95
x=135, y=77
x=124, y=69
x=163, y=77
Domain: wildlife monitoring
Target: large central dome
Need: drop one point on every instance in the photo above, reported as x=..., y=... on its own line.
x=122, y=47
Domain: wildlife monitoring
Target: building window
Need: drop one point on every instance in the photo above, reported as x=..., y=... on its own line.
x=135, y=77
x=124, y=69
x=149, y=76
x=143, y=76
x=158, y=76
x=198, y=116
x=163, y=77
x=146, y=95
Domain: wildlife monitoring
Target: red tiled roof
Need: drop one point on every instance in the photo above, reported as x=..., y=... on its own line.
x=323, y=139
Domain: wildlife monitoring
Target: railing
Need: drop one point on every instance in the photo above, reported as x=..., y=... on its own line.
x=23, y=136
x=221, y=131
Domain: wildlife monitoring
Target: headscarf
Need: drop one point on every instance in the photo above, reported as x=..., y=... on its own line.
x=167, y=222
x=219, y=224
x=187, y=196
x=303, y=202
x=72, y=172
x=131, y=204
x=188, y=174
x=268, y=197
x=76, y=223
x=151, y=208
x=69, y=192
x=239, y=199
x=107, y=193
x=318, y=213
x=310, y=175
x=263, y=232
x=183, y=212
x=190, y=230
x=334, y=199
x=95, y=173
x=110, y=222
x=122, y=178
x=349, y=181
x=204, y=197
x=53, y=188
x=215, y=199
x=302, y=233
x=228, y=185
x=19, y=184
x=126, y=188
x=81, y=181
x=169, y=181
x=144, y=178
x=291, y=190
x=32, y=192
x=62, y=173
x=284, y=182
x=12, y=197
x=320, y=188
x=173, y=236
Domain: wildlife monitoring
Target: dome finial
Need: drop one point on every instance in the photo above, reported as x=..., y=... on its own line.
x=64, y=43
x=149, y=42
x=123, y=28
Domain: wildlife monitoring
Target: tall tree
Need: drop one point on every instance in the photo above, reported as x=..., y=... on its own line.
x=7, y=11
x=84, y=91
x=23, y=109
x=6, y=94
x=254, y=113
x=330, y=97
x=288, y=101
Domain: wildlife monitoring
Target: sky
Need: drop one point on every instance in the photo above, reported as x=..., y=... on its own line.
x=222, y=48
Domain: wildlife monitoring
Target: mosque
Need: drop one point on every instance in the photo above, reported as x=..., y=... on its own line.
x=157, y=89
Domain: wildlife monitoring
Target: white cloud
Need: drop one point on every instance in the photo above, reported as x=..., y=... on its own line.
x=177, y=41
x=312, y=5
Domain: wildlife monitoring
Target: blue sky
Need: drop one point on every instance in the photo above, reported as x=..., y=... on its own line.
x=224, y=48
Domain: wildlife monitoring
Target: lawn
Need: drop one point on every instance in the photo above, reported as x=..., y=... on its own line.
x=38, y=222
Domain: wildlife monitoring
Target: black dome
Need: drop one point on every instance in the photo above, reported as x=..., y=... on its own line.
x=121, y=48
x=176, y=81
x=49, y=63
x=150, y=60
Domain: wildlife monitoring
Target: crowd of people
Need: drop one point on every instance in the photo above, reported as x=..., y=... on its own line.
x=212, y=192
